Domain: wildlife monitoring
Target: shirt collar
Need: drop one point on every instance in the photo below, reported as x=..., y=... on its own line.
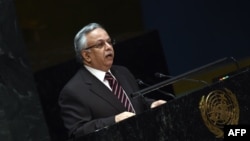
x=97, y=73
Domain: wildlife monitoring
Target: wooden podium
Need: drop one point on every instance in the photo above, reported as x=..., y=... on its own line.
x=196, y=116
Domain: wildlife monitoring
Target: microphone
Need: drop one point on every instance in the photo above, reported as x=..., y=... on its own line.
x=140, y=82
x=161, y=75
x=176, y=78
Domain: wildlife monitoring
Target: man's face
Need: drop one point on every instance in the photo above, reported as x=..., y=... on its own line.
x=100, y=54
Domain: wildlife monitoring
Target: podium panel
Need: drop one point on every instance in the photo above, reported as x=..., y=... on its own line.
x=196, y=116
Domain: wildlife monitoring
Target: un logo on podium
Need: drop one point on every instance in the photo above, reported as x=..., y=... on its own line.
x=219, y=108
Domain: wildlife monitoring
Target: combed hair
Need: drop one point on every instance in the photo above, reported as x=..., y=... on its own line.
x=80, y=40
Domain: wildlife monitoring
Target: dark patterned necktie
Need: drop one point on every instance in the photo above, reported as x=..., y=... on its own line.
x=119, y=92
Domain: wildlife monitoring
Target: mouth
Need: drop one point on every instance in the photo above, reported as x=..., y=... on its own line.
x=109, y=54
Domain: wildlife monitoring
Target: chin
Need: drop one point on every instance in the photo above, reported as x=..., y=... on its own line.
x=109, y=65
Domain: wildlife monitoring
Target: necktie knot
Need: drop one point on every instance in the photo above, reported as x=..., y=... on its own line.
x=110, y=79
x=108, y=76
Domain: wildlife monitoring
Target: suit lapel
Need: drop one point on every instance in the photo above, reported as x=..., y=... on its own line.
x=101, y=90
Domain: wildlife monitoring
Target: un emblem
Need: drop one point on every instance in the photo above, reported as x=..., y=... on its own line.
x=219, y=108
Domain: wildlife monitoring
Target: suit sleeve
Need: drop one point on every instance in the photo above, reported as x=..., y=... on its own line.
x=77, y=116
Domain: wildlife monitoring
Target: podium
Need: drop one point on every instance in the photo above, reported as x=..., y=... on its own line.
x=196, y=116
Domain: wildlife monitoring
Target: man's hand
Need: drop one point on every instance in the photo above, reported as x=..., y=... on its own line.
x=157, y=103
x=123, y=116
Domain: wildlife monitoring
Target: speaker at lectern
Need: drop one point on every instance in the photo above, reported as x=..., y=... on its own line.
x=196, y=116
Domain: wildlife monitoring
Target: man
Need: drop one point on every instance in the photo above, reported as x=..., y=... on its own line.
x=87, y=101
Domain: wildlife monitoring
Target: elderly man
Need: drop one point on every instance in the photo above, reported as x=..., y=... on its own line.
x=98, y=95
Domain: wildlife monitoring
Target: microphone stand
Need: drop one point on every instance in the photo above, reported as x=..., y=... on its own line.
x=174, y=79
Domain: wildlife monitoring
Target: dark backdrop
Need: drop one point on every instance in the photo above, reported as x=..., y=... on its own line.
x=196, y=32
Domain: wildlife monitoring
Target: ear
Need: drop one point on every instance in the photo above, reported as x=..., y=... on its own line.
x=85, y=55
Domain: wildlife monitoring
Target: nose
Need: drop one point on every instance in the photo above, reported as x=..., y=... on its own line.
x=108, y=44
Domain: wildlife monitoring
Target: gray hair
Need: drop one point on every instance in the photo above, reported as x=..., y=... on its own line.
x=80, y=40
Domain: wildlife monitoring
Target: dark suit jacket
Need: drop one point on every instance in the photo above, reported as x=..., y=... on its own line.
x=88, y=105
